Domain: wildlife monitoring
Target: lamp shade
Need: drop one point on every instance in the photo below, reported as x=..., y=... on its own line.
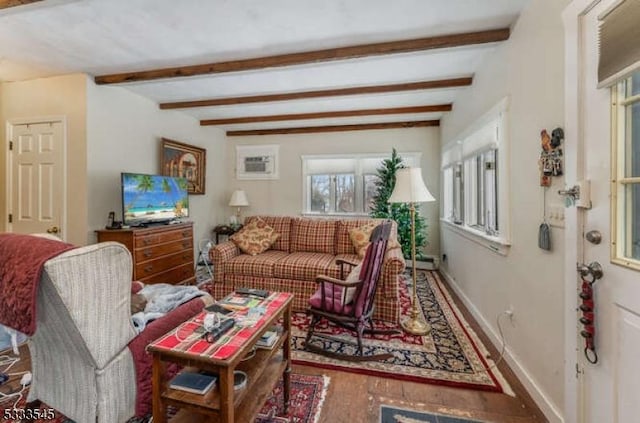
x=410, y=187
x=238, y=199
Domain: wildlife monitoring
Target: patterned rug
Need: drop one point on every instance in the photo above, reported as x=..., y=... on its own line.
x=389, y=414
x=305, y=404
x=451, y=354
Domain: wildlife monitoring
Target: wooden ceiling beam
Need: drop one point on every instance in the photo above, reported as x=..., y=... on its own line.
x=335, y=128
x=333, y=114
x=339, y=53
x=371, y=89
x=5, y=4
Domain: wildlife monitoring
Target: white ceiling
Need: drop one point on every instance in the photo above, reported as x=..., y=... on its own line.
x=114, y=36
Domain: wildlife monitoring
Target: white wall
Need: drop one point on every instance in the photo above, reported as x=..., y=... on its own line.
x=124, y=132
x=529, y=69
x=284, y=195
x=59, y=96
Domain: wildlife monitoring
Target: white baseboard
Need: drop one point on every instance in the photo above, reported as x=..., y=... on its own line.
x=551, y=412
x=428, y=263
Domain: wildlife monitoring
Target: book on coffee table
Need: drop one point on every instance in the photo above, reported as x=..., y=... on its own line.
x=196, y=383
x=235, y=301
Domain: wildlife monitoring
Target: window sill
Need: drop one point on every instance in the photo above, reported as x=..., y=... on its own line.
x=496, y=244
x=315, y=214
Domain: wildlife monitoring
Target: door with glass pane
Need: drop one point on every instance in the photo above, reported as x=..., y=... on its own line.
x=603, y=147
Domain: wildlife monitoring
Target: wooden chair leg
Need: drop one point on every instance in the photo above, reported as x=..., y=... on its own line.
x=359, y=331
x=314, y=321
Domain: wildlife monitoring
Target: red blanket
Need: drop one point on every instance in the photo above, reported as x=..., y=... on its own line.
x=22, y=258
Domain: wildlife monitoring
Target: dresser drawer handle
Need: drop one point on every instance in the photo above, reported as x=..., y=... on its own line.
x=186, y=245
x=147, y=253
x=146, y=241
x=148, y=268
x=185, y=233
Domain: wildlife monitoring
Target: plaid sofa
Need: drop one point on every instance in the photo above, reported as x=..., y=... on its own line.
x=306, y=248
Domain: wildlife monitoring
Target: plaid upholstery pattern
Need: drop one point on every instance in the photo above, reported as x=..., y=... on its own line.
x=259, y=265
x=282, y=225
x=305, y=266
x=343, y=242
x=298, y=274
x=313, y=235
x=219, y=255
x=386, y=309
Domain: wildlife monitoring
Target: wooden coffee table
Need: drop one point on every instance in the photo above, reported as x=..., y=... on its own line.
x=222, y=404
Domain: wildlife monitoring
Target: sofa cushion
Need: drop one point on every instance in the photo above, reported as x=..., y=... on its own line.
x=360, y=238
x=259, y=265
x=343, y=241
x=313, y=235
x=282, y=225
x=305, y=266
x=255, y=237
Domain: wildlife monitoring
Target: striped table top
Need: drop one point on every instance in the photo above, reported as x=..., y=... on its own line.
x=185, y=339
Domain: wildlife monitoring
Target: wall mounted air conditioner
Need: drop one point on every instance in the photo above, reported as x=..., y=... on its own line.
x=258, y=165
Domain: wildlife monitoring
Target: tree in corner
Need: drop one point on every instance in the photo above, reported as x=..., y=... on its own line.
x=381, y=208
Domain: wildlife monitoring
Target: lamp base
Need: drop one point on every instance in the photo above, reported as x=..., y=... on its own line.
x=415, y=326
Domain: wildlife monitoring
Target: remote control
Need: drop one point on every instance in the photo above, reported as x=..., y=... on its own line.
x=217, y=308
x=252, y=291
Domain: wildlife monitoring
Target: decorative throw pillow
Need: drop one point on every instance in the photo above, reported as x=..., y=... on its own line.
x=360, y=238
x=255, y=238
x=348, y=293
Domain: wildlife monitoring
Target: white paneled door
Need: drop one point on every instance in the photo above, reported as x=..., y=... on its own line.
x=36, y=177
x=603, y=382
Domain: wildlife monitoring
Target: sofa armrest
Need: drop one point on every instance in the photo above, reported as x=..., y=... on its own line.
x=219, y=255
x=393, y=267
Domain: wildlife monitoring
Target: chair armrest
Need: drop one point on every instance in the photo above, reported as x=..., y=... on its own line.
x=220, y=254
x=341, y=261
x=339, y=282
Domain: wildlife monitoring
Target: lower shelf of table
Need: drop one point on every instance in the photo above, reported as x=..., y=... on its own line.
x=248, y=401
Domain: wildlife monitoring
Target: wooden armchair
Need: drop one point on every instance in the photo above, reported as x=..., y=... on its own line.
x=348, y=302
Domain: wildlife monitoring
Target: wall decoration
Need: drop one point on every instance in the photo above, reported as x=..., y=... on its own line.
x=551, y=159
x=257, y=162
x=185, y=161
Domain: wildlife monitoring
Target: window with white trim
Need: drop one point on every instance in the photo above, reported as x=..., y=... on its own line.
x=343, y=184
x=474, y=178
x=626, y=173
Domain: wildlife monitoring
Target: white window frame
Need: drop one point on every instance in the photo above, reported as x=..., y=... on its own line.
x=359, y=170
x=621, y=228
x=462, y=203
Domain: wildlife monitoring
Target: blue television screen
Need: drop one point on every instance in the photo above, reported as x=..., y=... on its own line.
x=153, y=198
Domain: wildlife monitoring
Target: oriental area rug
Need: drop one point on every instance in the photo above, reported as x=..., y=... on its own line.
x=451, y=354
x=305, y=404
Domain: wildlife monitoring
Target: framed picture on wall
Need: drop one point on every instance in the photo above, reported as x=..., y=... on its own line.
x=185, y=161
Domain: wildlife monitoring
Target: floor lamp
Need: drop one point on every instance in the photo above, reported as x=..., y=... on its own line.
x=410, y=188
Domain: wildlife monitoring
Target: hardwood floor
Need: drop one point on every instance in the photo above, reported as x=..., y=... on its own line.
x=357, y=398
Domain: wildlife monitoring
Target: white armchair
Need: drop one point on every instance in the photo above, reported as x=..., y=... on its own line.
x=81, y=363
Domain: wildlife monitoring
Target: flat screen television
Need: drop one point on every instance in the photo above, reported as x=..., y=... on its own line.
x=153, y=199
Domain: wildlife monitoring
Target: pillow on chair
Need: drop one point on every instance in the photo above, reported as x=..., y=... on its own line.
x=349, y=293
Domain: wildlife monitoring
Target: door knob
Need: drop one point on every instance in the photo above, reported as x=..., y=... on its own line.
x=53, y=230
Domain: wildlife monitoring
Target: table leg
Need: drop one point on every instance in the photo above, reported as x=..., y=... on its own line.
x=226, y=395
x=286, y=351
x=159, y=408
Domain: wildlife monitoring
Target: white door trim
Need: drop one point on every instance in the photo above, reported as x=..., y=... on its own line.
x=574, y=217
x=10, y=124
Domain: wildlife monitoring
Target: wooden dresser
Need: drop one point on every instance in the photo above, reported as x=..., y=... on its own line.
x=162, y=253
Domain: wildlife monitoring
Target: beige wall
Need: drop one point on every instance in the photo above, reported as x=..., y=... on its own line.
x=60, y=96
x=284, y=195
x=529, y=69
x=124, y=135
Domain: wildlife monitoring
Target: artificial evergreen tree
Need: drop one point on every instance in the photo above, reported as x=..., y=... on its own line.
x=399, y=211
